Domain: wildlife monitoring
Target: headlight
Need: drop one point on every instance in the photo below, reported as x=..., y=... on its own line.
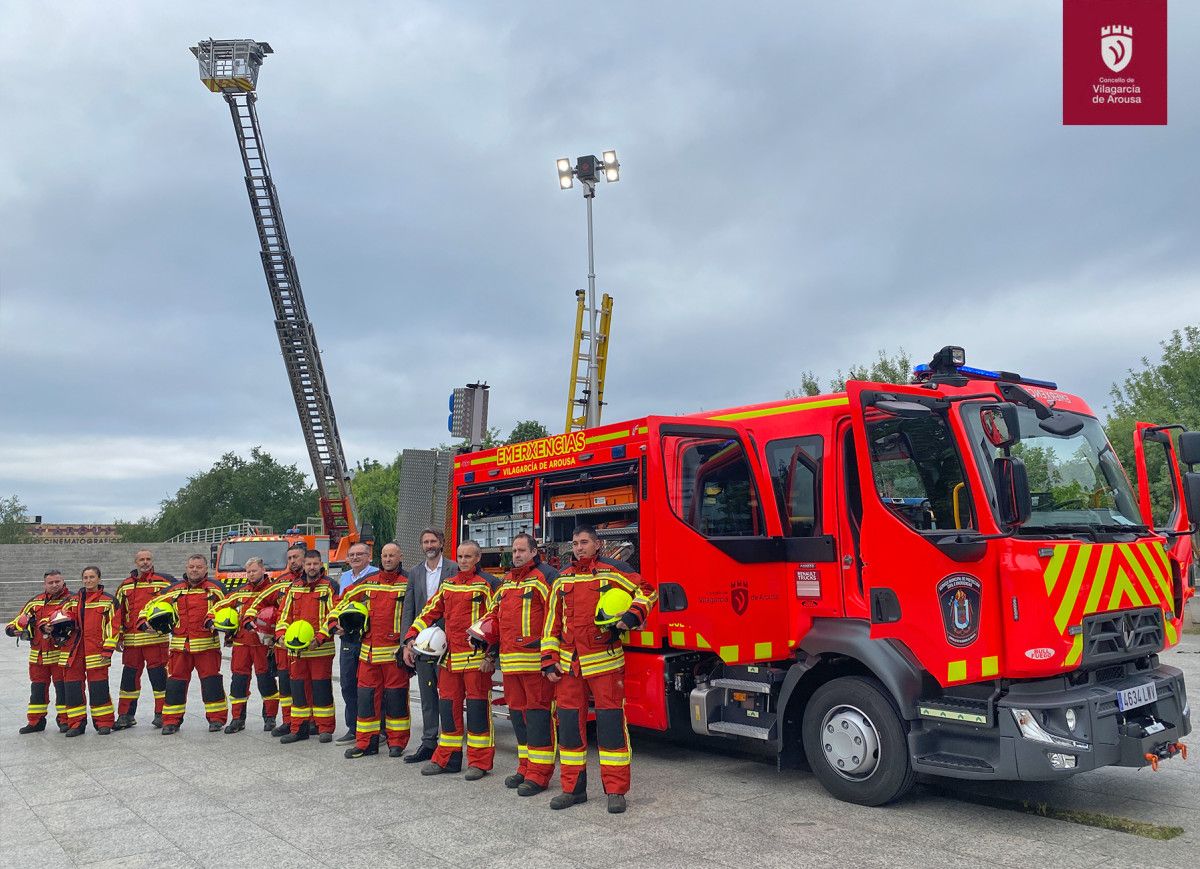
x=1028, y=724
x=1069, y=715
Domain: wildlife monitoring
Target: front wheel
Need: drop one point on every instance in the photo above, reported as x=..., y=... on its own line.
x=855, y=742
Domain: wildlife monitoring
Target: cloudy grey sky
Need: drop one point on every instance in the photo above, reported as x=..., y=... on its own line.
x=802, y=184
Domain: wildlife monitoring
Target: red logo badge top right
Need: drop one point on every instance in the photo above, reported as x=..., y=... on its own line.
x=1114, y=61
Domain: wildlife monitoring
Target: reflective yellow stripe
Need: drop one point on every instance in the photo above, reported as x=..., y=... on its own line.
x=1172, y=637
x=482, y=740
x=615, y=758
x=35, y=708
x=538, y=756
x=1082, y=557
x=989, y=666
x=448, y=741
x=367, y=725
x=572, y=757
x=173, y=710
x=398, y=723
x=956, y=671
x=1138, y=572
x=522, y=751
x=1054, y=567
x=787, y=408
x=1076, y=651
x=322, y=710
x=728, y=654
x=129, y=695
x=214, y=706
x=106, y=709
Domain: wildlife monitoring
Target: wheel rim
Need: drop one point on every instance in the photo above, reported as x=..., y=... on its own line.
x=850, y=743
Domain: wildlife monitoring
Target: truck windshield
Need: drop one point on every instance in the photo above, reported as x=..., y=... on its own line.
x=918, y=473
x=235, y=554
x=1074, y=481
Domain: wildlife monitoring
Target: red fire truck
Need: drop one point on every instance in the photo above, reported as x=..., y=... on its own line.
x=951, y=576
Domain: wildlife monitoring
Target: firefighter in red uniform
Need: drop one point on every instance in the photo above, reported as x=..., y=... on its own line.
x=520, y=605
x=194, y=646
x=249, y=653
x=138, y=647
x=89, y=653
x=310, y=599
x=44, y=656
x=271, y=600
x=583, y=658
x=382, y=681
x=461, y=600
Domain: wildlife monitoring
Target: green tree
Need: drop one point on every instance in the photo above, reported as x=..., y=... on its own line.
x=144, y=530
x=527, y=430
x=885, y=369
x=14, y=521
x=491, y=438
x=235, y=488
x=376, y=489
x=1163, y=391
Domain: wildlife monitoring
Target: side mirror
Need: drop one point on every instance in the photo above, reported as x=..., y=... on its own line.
x=1191, y=496
x=1001, y=424
x=1189, y=448
x=212, y=556
x=1061, y=424
x=1012, y=490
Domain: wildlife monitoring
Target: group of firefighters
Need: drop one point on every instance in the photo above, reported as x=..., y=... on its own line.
x=556, y=638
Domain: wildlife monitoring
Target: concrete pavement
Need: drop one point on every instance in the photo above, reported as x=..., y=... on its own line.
x=136, y=798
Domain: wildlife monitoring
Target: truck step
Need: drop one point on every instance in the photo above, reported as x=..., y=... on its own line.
x=962, y=762
x=957, y=710
x=747, y=730
x=742, y=685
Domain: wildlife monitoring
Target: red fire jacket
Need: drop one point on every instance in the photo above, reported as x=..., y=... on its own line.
x=40, y=608
x=570, y=639
x=311, y=602
x=520, y=605
x=192, y=633
x=383, y=593
x=101, y=627
x=272, y=595
x=242, y=600
x=132, y=596
x=461, y=600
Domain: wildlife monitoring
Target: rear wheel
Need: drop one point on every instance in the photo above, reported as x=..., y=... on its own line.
x=855, y=742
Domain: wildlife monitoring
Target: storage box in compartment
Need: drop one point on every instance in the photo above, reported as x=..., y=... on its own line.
x=522, y=526
x=479, y=532
x=571, y=501
x=522, y=503
x=616, y=496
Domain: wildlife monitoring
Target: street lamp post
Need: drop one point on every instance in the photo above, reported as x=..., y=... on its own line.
x=588, y=169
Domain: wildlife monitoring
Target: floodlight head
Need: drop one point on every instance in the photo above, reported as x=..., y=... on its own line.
x=610, y=158
x=566, y=176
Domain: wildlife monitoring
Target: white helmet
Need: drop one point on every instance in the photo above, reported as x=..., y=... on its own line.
x=430, y=644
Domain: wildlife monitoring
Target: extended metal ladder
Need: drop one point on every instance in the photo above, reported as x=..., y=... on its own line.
x=577, y=396
x=297, y=340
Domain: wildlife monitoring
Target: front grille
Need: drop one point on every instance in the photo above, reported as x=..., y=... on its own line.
x=1119, y=636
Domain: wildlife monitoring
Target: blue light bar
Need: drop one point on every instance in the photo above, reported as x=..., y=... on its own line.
x=984, y=374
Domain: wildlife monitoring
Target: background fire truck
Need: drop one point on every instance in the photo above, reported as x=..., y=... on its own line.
x=951, y=577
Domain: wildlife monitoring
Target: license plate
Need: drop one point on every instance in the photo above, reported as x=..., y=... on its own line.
x=1139, y=695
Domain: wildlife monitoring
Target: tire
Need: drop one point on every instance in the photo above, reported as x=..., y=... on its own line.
x=847, y=714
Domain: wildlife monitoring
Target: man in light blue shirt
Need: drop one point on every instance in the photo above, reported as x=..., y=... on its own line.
x=359, y=557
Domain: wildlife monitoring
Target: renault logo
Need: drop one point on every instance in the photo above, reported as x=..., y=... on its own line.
x=1127, y=632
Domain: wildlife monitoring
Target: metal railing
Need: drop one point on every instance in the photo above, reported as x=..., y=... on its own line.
x=220, y=532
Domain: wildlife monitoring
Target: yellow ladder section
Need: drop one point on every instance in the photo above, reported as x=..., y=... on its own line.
x=577, y=396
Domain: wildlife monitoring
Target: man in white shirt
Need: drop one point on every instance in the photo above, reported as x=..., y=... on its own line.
x=423, y=581
x=359, y=557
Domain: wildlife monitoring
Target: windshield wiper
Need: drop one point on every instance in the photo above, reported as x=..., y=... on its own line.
x=1123, y=529
x=1089, y=530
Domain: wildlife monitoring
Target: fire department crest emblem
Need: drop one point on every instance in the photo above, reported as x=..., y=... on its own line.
x=1116, y=46
x=959, y=597
x=739, y=595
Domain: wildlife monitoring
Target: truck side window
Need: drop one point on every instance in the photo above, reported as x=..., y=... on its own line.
x=918, y=473
x=795, y=465
x=710, y=486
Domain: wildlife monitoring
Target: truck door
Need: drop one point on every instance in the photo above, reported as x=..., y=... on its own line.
x=722, y=581
x=915, y=492
x=1160, y=499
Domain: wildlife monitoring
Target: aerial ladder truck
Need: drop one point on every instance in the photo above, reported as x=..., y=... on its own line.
x=230, y=67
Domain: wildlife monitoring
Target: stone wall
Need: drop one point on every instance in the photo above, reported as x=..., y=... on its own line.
x=22, y=565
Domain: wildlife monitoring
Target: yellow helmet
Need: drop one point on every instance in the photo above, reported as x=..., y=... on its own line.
x=162, y=616
x=353, y=617
x=613, y=604
x=298, y=635
x=226, y=620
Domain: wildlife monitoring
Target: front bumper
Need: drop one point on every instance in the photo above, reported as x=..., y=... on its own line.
x=1103, y=735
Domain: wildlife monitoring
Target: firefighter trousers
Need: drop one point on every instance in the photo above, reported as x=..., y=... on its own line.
x=284, y=683
x=612, y=734
x=382, y=691
x=530, y=701
x=255, y=658
x=312, y=692
x=475, y=689
x=40, y=678
x=207, y=665
x=84, y=683
x=154, y=658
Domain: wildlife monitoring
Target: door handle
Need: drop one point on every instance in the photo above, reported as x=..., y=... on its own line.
x=847, y=561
